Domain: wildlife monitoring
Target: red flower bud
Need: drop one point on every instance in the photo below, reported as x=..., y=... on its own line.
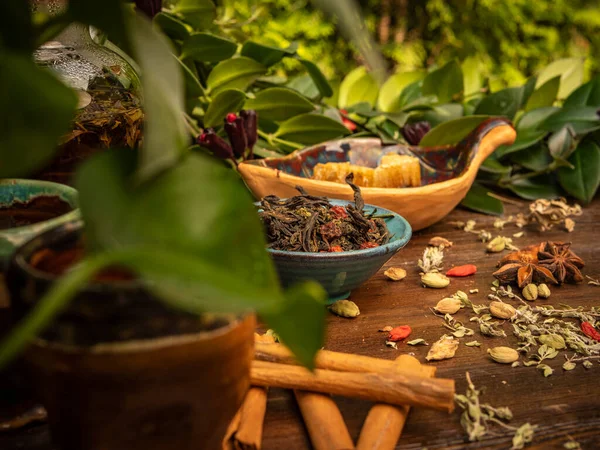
x=251, y=126
x=231, y=117
x=237, y=135
x=414, y=132
x=217, y=145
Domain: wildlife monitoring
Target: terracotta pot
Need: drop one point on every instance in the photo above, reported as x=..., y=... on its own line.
x=118, y=370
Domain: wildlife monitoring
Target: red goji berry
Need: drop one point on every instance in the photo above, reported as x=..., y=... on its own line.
x=339, y=212
x=399, y=333
x=590, y=331
x=365, y=245
x=462, y=271
x=335, y=249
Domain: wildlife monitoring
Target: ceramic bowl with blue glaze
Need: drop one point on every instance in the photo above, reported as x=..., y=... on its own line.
x=13, y=190
x=447, y=172
x=341, y=272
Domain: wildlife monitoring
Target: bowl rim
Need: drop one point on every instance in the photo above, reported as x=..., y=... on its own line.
x=392, y=246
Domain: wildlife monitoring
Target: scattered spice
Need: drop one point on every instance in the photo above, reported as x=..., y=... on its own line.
x=391, y=344
x=503, y=355
x=593, y=281
x=473, y=291
x=345, y=308
x=530, y=292
x=435, y=280
x=417, y=342
x=548, y=213
x=569, y=225
x=473, y=344
x=590, y=331
x=439, y=241
x=444, y=348
x=572, y=444
x=522, y=266
x=432, y=261
x=386, y=329
x=462, y=271
x=502, y=310
x=395, y=273
x=499, y=244
x=399, y=333
x=543, y=291
x=558, y=258
x=519, y=234
x=477, y=418
x=449, y=305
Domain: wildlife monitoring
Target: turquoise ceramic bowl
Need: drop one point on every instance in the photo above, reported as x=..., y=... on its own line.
x=12, y=190
x=339, y=273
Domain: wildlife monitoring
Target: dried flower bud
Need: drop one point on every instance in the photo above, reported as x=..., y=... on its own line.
x=395, y=273
x=543, y=291
x=414, y=132
x=530, y=292
x=212, y=141
x=237, y=135
x=435, y=280
x=345, y=308
x=448, y=305
x=502, y=310
x=251, y=126
x=503, y=355
x=496, y=245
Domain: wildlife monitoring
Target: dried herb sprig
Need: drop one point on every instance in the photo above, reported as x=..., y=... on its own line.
x=477, y=418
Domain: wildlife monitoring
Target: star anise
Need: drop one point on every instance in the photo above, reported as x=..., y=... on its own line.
x=522, y=266
x=561, y=261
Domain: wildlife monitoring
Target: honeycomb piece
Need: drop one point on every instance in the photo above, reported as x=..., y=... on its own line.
x=398, y=171
x=337, y=172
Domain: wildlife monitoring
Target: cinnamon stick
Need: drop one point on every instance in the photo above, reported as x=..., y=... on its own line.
x=393, y=388
x=343, y=362
x=246, y=428
x=384, y=423
x=325, y=424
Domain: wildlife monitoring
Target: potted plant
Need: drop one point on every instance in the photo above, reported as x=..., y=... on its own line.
x=171, y=248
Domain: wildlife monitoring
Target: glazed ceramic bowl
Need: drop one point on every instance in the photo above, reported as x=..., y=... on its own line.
x=447, y=172
x=341, y=272
x=12, y=190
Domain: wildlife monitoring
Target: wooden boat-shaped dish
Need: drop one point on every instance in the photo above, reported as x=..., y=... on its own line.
x=447, y=172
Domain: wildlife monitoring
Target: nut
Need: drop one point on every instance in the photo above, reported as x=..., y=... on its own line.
x=395, y=273
x=503, y=355
x=530, y=292
x=448, y=305
x=435, y=280
x=502, y=310
x=543, y=291
x=496, y=245
x=345, y=308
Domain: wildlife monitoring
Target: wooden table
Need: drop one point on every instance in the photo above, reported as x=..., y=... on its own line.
x=565, y=404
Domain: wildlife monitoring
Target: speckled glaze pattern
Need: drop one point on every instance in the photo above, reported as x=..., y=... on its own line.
x=437, y=163
x=341, y=272
x=12, y=190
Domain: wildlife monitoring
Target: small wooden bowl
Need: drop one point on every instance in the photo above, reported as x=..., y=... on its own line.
x=447, y=172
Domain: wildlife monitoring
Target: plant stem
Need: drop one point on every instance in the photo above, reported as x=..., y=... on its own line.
x=272, y=140
x=55, y=300
x=191, y=125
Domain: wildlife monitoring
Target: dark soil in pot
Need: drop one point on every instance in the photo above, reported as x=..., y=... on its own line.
x=120, y=370
x=38, y=209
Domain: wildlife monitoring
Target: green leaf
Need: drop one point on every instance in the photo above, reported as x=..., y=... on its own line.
x=200, y=14
x=478, y=200
x=582, y=182
x=279, y=104
x=412, y=93
x=236, y=73
x=532, y=120
x=318, y=78
x=570, y=71
x=389, y=95
x=471, y=69
x=502, y=103
x=358, y=86
x=528, y=89
x=582, y=119
x=562, y=143
x=442, y=113
x=206, y=47
x=445, y=83
x=524, y=139
x=545, y=95
x=492, y=165
x=536, y=157
x=165, y=135
x=108, y=16
x=171, y=26
x=304, y=85
x=533, y=188
x=193, y=88
x=451, y=132
x=586, y=95
x=36, y=110
x=229, y=100
x=264, y=54
x=310, y=129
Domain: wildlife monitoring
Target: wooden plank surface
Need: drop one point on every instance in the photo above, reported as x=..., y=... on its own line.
x=565, y=404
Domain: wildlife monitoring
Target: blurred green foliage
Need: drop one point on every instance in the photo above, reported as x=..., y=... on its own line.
x=508, y=41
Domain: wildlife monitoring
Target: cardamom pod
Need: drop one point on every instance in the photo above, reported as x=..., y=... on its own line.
x=502, y=310
x=448, y=305
x=345, y=308
x=543, y=291
x=497, y=244
x=435, y=280
x=556, y=341
x=530, y=292
x=503, y=355
x=395, y=273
